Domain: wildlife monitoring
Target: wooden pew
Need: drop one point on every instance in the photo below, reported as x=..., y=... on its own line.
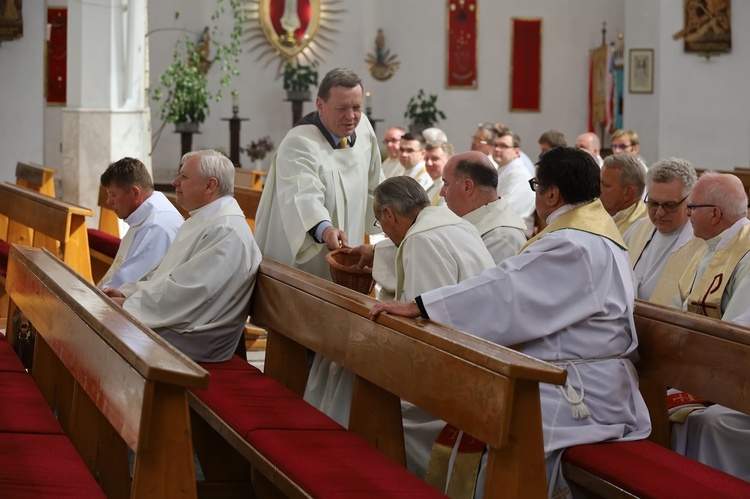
x=487, y=390
x=249, y=178
x=246, y=197
x=701, y=356
x=35, y=177
x=31, y=215
x=112, y=382
x=104, y=241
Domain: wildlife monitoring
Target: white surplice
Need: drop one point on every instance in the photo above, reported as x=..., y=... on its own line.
x=439, y=249
x=419, y=173
x=513, y=186
x=569, y=295
x=197, y=298
x=153, y=226
x=310, y=182
x=392, y=167
x=501, y=229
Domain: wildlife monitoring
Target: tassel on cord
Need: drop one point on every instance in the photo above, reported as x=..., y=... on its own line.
x=580, y=409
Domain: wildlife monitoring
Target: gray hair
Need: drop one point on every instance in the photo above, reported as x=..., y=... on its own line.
x=401, y=194
x=731, y=201
x=447, y=147
x=632, y=171
x=669, y=169
x=339, y=77
x=215, y=164
x=433, y=134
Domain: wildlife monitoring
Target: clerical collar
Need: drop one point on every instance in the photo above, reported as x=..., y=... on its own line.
x=212, y=207
x=314, y=119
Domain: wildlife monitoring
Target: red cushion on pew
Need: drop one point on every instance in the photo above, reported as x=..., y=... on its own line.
x=236, y=363
x=250, y=401
x=650, y=470
x=338, y=464
x=103, y=242
x=9, y=361
x=4, y=252
x=23, y=408
x=43, y=466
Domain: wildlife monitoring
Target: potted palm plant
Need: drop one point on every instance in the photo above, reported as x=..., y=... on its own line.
x=298, y=80
x=422, y=112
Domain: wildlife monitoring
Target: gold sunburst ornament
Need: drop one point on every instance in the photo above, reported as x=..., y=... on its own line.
x=296, y=31
x=382, y=64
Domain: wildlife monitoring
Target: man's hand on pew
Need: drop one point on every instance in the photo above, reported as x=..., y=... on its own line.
x=366, y=254
x=402, y=308
x=115, y=295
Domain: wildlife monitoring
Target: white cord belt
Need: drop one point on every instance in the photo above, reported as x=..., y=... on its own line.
x=580, y=409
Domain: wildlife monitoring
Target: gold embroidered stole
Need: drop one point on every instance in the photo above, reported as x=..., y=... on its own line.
x=667, y=285
x=639, y=238
x=704, y=296
x=627, y=217
x=590, y=217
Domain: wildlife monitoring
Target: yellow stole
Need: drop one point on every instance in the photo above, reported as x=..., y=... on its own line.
x=639, y=238
x=704, y=296
x=590, y=217
x=627, y=217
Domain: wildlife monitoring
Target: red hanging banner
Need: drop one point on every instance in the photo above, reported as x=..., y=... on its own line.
x=526, y=65
x=57, y=55
x=461, y=64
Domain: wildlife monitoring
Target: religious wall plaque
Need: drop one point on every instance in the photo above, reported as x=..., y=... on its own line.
x=708, y=26
x=11, y=20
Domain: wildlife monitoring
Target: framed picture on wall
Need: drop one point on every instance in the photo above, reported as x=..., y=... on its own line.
x=641, y=71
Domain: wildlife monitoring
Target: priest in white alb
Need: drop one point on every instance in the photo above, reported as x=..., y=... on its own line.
x=198, y=297
x=661, y=245
x=566, y=298
x=152, y=218
x=470, y=191
x=318, y=194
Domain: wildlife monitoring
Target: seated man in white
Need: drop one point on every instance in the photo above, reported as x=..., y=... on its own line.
x=412, y=159
x=152, y=219
x=590, y=143
x=567, y=297
x=623, y=182
x=470, y=191
x=661, y=245
x=716, y=283
x=513, y=177
x=392, y=141
x=197, y=298
x=437, y=153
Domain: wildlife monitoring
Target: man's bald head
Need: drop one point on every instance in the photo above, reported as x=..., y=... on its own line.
x=589, y=142
x=719, y=200
x=470, y=181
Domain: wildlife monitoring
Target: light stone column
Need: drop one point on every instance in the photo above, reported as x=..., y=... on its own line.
x=107, y=116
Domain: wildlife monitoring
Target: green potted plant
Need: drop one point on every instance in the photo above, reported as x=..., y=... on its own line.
x=298, y=79
x=421, y=112
x=183, y=87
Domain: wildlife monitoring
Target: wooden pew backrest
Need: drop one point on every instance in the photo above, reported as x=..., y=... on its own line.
x=99, y=368
x=485, y=389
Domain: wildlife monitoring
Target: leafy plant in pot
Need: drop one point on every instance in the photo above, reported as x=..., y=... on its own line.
x=183, y=87
x=298, y=79
x=422, y=112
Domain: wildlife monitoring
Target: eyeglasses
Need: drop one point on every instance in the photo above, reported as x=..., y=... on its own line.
x=376, y=223
x=503, y=147
x=391, y=141
x=479, y=141
x=691, y=207
x=409, y=151
x=668, y=207
x=621, y=147
x=534, y=184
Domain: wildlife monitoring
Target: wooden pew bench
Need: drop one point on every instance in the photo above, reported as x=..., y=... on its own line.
x=104, y=241
x=42, y=221
x=113, y=384
x=701, y=356
x=245, y=177
x=35, y=177
x=251, y=421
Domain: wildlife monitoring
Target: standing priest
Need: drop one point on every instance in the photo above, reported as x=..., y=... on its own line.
x=318, y=195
